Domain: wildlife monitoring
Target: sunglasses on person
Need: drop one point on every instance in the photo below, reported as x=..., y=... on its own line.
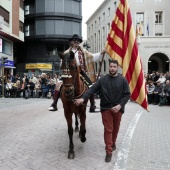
x=76, y=40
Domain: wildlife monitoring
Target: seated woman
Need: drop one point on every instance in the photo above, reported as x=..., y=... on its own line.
x=8, y=89
x=150, y=89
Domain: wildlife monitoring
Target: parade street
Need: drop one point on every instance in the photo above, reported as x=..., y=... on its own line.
x=33, y=138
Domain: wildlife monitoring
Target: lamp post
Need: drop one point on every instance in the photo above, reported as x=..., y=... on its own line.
x=3, y=61
x=86, y=45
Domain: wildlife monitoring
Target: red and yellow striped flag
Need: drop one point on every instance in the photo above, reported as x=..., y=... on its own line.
x=121, y=45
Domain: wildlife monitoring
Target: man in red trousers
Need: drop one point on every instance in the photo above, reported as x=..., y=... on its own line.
x=114, y=94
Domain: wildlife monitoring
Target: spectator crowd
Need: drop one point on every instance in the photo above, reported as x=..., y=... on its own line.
x=41, y=86
x=158, y=88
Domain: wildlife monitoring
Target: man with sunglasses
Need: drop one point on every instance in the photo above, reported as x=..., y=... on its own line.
x=86, y=61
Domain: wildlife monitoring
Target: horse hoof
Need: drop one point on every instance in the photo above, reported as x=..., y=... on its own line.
x=71, y=155
x=83, y=139
x=76, y=129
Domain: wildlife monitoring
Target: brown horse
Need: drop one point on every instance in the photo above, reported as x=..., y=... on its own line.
x=73, y=87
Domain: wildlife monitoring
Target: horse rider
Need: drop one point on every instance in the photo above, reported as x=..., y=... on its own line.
x=86, y=62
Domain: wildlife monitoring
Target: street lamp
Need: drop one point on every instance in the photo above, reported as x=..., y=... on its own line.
x=86, y=45
x=3, y=61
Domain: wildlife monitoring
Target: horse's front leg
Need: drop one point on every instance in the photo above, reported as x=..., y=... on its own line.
x=71, y=153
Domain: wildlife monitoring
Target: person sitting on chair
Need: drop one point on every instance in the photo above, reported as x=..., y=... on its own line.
x=86, y=62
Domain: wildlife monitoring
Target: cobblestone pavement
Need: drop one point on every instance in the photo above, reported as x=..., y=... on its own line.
x=32, y=138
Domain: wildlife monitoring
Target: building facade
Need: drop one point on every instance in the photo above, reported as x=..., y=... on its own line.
x=152, y=22
x=48, y=26
x=11, y=31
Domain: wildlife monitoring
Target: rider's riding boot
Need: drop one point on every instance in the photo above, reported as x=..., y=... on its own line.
x=53, y=106
x=92, y=104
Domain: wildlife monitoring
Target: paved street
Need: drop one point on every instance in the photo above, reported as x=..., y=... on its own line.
x=32, y=138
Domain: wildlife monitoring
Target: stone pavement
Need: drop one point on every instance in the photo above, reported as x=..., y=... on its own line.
x=32, y=138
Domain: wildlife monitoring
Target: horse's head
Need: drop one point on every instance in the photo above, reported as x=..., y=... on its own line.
x=69, y=74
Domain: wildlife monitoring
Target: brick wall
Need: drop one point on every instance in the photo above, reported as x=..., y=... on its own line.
x=15, y=17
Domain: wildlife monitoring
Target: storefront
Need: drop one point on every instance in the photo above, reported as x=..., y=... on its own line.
x=38, y=69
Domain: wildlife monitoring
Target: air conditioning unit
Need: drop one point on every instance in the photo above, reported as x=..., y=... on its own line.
x=1, y=22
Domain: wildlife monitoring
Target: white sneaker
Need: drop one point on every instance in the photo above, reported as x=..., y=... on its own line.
x=51, y=108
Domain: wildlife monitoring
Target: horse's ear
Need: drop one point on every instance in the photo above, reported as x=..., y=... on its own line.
x=60, y=54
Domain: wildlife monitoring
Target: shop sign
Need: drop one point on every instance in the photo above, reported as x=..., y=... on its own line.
x=38, y=66
x=31, y=66
x=44, y=66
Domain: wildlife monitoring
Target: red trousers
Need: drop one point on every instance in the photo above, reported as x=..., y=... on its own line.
x=111, y=122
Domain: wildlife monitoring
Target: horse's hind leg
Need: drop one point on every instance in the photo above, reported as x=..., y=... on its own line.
x=76, y=123
x=82, y=132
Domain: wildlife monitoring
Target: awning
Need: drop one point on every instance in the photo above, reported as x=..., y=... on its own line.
x=45, y=69
x=9, y=67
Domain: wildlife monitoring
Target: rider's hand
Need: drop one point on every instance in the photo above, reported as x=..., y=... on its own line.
x=77, y=102
x=103, y=51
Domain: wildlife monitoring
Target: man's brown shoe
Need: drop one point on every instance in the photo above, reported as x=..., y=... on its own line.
x=108, y=157
x=114, y=147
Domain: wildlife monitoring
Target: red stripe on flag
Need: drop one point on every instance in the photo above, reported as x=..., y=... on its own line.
x=132, y=63
x=127, y=36
x=139, y=84
x=123, y=2
x=120, y=15
x=114, y=46
x=144, y=104
x=117, y=31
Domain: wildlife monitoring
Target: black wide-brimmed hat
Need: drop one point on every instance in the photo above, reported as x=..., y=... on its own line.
x=75, y=36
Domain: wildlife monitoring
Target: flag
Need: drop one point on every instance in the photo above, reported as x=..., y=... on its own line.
x=147, y=28
x=137, y=30
x=121, y=45
x=140, y=29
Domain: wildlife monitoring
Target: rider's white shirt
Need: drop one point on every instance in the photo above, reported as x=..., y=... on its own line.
x=96, y=56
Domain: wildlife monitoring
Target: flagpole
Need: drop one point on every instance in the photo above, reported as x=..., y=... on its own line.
x=100, y=66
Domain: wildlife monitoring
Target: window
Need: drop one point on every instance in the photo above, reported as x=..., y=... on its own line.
x=158, y=34
x=27, y=10
x=22, y=4
x=103, y=16
x=6, y=47
x=27, y=30
x=158, y=0
x=108, y=28
x=99, y=20
x=21, y=26
x=158, y=17
x=139, y=1
x=140, y=22
x=95, y=24
x=92, y=27
x=5, y=14
x=139, y=18
x=51, y=49
x=108, y=11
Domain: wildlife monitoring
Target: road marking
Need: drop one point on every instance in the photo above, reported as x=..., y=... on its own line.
x=122, y=155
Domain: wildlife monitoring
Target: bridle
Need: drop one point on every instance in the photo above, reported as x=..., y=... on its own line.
x=69, y=72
